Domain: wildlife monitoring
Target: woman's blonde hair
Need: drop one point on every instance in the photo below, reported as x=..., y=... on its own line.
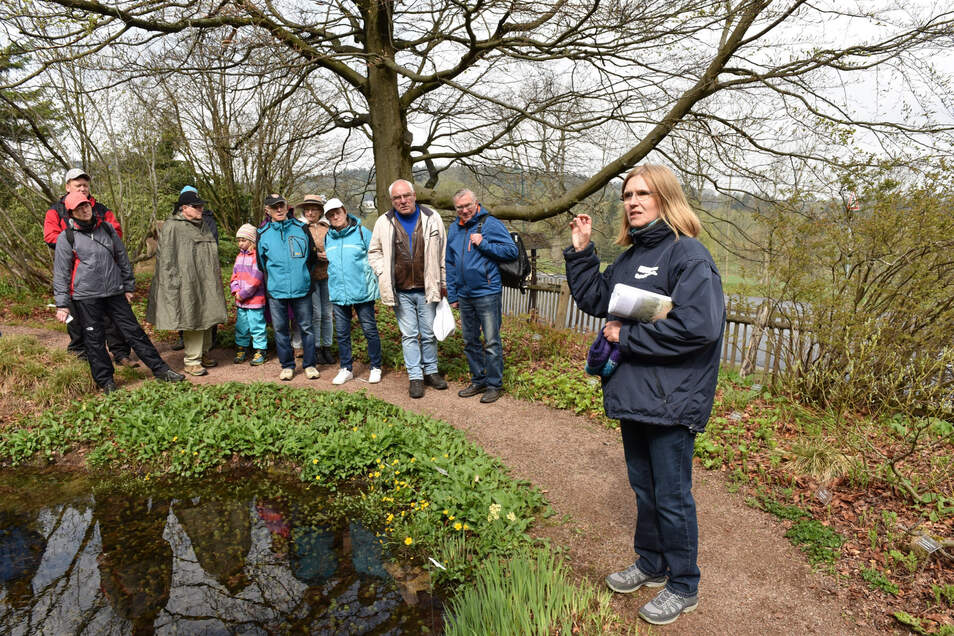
x=674, y=209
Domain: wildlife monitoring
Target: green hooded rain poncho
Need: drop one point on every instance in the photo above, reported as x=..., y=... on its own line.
x=187, y=292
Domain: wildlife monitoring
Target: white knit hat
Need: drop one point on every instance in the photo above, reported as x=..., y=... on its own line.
x=247, y=231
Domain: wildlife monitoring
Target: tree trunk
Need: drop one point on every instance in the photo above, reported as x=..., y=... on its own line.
x=388, y=120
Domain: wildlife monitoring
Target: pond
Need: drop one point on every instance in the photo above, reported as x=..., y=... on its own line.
x=243, y=554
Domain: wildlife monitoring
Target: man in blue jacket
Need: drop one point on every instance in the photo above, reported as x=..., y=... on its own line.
x=286, y=254
x=475, y=243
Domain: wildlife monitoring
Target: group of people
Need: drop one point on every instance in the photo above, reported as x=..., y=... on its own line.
x=302, y=275
x=327, y=268
x=665, y=371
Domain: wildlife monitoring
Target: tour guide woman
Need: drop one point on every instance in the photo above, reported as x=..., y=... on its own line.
x=663, y=388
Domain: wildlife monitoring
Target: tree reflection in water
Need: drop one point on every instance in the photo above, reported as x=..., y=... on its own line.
x=111, y=562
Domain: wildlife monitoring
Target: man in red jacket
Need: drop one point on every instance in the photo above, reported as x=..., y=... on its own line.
x=77, y=180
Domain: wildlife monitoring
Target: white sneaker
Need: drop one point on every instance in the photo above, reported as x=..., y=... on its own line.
x=312, y=373
x=286, y=374
x=375, y=376
x=343, y=376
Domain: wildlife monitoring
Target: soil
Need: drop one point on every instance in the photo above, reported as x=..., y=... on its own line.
x=753, y=580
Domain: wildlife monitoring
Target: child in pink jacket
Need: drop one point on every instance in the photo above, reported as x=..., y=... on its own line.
x=248, y=287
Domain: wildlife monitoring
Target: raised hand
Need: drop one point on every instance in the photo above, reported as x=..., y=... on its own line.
x=581, y=227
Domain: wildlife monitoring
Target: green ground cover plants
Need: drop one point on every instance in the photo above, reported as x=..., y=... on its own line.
x=856, y=492
x=428, y=492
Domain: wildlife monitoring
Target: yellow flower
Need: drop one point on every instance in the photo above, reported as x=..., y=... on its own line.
x=314, y=461
x=413, y=458
x=354, y=428
x=390, y=518
x=511, y=517
x=374, y=436
x=445, y=511
x=450, y=517
x=317, y=477
x=175, y=439
x=446, y=455
x=408, y=540
x=195, y=452
x=458, y=525
x=466, y=527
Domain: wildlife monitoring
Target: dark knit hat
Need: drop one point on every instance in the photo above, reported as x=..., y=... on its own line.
x=603, y=357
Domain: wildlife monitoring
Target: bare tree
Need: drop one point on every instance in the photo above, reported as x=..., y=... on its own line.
x=437, y=83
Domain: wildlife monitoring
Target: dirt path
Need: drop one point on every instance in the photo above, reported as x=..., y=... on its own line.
x=753, y=580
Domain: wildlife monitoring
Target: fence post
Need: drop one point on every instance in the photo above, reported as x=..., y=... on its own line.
x=533, y=281
x=563, y=305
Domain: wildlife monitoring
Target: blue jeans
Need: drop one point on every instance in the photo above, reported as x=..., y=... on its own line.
x=659, y=463
x=320, y=313
x=301, y=310
x=415, y=318
x=250, y=328
x=369, y=326
x=485, y=362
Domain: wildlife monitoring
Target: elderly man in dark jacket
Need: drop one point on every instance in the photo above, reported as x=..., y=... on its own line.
x=475, y=244
x=91, y=268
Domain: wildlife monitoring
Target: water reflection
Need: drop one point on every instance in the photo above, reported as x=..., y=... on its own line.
x=111, y=562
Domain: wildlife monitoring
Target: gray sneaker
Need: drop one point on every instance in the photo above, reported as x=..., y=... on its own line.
x=631, y=579
x=667, y=606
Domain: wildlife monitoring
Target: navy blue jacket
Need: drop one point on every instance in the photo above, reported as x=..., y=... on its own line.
x=670, y=367
x=473, y=272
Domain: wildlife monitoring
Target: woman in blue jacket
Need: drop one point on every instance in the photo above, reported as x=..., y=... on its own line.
x=352, y=285
x=664, y=386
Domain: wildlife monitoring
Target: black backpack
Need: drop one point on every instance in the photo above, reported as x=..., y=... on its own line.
x=513, y=273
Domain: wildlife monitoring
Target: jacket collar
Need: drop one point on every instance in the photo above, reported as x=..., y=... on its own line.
x=352, y=225
x=653, y=236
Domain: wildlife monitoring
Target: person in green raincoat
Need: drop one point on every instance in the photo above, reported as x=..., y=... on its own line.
x=187, y=293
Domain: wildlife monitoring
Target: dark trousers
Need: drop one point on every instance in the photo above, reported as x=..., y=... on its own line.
x=485, y=361
x=92, y=315
x=369, y=326
x=114, y=339
x=659, y=463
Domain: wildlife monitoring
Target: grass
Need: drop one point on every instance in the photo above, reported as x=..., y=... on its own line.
x=40, y=377
x=529, y=594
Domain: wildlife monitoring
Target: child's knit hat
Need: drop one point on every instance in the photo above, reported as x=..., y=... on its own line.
x=247, y=231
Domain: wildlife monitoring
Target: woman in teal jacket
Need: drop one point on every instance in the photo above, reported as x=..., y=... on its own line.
x=352, y=285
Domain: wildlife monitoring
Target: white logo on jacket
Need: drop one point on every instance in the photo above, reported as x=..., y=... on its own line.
x=645, y=272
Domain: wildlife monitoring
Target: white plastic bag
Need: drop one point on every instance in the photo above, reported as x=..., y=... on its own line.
x=444, y=324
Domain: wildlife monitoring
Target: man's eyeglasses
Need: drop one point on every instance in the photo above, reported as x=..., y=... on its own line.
x=641, y=195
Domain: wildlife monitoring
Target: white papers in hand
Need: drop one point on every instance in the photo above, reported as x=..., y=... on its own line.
x=638, y=304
